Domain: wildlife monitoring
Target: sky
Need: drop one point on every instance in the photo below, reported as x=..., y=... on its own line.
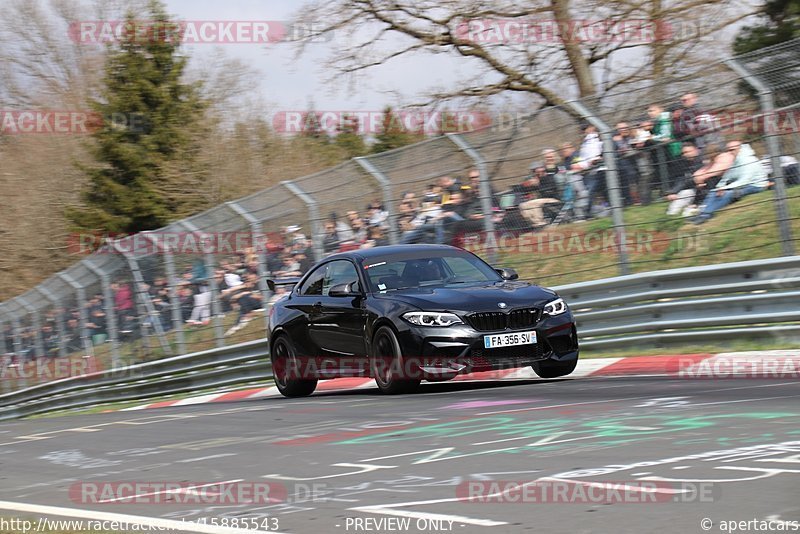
x=291, y=83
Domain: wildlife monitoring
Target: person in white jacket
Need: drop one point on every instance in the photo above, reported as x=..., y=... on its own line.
x=745, y=176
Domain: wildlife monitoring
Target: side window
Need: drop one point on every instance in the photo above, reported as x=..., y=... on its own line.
x=339, y=272
x=313, y=284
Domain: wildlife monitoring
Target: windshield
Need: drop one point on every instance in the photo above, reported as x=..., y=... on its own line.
x=429, y=270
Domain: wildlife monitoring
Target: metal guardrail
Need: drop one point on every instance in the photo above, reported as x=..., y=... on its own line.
x=660, y=308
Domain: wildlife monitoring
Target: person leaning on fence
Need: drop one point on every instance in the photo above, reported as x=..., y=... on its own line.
x=745, y=177
x=685, y=193
x=626, y=164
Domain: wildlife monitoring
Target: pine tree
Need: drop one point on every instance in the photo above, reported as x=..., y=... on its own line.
x=394, y=133
x=349, y=139
x=780, y=23
x=146, y=144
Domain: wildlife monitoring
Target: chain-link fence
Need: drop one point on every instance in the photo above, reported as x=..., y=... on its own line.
x=676, y=173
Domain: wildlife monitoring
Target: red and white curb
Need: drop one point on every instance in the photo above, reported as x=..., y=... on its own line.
x=782, y=364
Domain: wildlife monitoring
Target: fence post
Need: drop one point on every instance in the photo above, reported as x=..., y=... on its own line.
x=133, y=265
x=485, y=192
x=767, y=104
x=81, y=291
x=21, y=381
x=62, y=350
x=111, y=313
x=5, y=359
x=216, y=307
x=259, y=247
x=612, y=180
x=37, y=326
x=386, y=188
x=172, y=284
x=313, y=213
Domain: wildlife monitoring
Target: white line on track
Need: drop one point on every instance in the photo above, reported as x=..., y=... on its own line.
x=189, y=460
x=154, y=522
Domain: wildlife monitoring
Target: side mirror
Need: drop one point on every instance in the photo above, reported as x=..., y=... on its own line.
x=344, y=290
x=507, y=273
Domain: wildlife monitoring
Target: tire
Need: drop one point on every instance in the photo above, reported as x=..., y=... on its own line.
x=282, y=355
x=551, y=369
x=387, y=364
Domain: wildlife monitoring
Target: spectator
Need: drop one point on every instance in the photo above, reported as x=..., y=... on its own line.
x=248, y=300
x=330, y=240
x=590, y=164
x=344, y=232
x=626, y=164
x=539, y=190
x=744, y=177
x=664, y=150
x=201, y=309
x=685, y=193
x=575, y=179
x=691, y=123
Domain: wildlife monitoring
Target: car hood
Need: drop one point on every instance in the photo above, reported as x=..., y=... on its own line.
x=473, y=298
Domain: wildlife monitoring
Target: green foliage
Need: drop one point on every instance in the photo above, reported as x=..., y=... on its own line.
x=349, y=139
x=394, y=133
x=146, y=143
x=781, y=23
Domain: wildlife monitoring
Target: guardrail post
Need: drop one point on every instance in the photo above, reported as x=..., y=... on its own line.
x=612, y=180
x=62, y=349
x=767, y=105
x=155, y=317
x=172, y=284
x=88, y=350
x=216, y=308
x=313, y=214
x=111, y=313
x=485, y=191
x=386, y=188
x=260, y=249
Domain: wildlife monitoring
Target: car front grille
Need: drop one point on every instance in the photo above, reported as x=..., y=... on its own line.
x=494, y=321
x=508, y=357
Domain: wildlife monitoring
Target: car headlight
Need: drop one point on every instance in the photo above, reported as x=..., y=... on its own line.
x=432, y=318
x=555, y=307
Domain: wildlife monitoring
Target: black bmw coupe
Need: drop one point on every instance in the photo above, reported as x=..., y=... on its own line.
x=406, y=313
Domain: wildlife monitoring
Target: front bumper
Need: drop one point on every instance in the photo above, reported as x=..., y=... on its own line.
x=442, y=353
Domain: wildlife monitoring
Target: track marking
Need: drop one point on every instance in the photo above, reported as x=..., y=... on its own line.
x=181, y=490
x=213, y=456
x=155, y=522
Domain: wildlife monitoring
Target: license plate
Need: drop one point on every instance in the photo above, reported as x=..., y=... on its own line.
x=509, y=340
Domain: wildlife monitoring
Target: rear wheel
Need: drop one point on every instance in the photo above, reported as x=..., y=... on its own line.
x=388, y=366
x=285, y=369
x=553, y=369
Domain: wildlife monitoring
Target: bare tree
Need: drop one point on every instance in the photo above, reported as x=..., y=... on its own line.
x=554, y=49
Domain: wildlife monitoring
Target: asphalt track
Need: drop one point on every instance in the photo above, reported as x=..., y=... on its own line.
x=721, y=450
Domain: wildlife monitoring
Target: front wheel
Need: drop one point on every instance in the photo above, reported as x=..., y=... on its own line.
x=388, y=365
x=553, y=369
x=285, y=370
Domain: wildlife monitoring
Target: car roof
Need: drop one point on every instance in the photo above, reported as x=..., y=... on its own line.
x=390, y=250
